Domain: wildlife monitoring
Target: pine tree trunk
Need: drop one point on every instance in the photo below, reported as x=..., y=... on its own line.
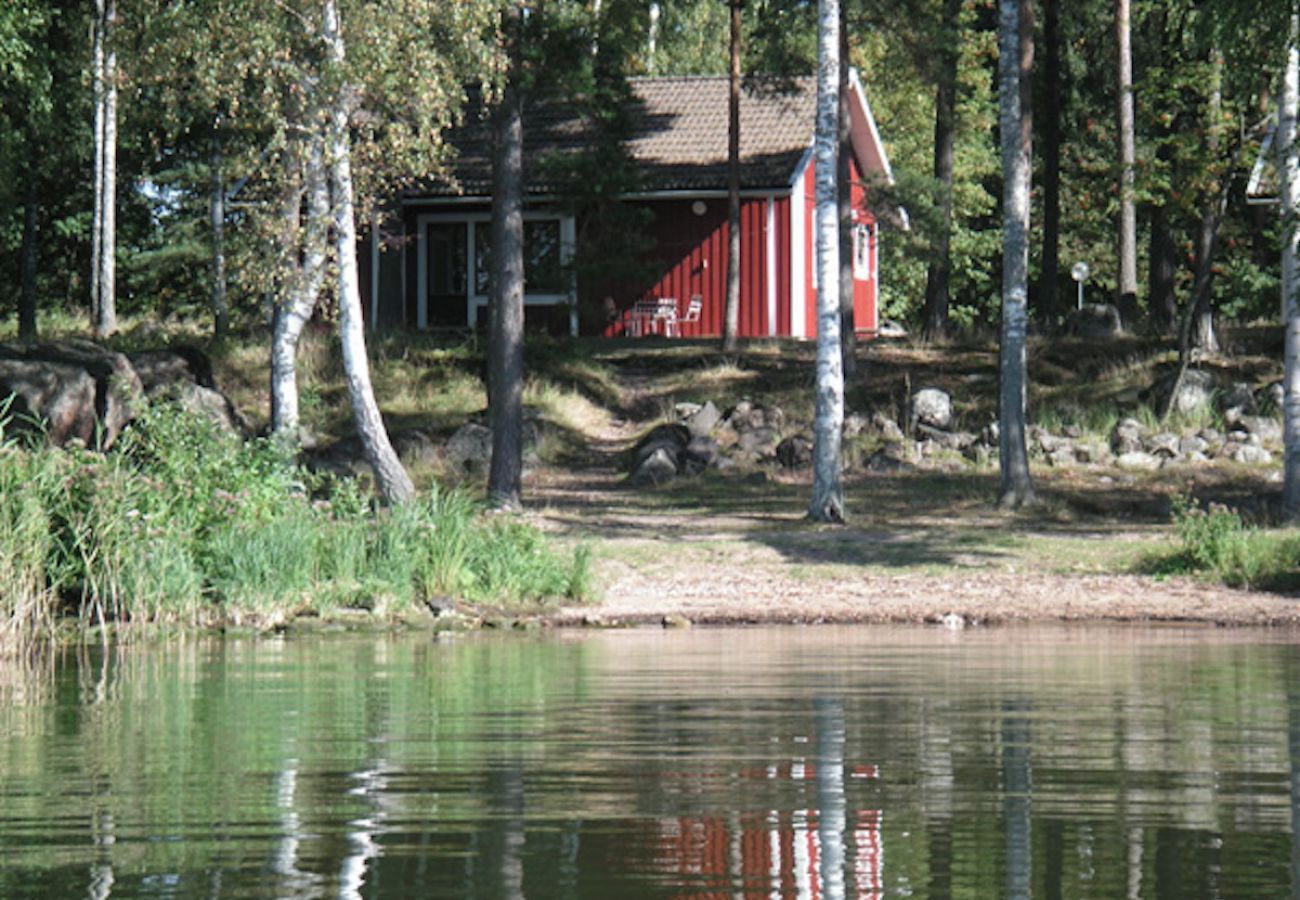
x=1162, y=272
x=302, y=287
x=1049, y=302
x=217, y=218
x=1289, y=173
x=938, y=276
x=1127, y=238
x=106, y=321
x=507, y=359
x=827, y=495
x=1016, y=486
x=29, y=255
x=390, y=477
x=844, y=200
x=731, y=317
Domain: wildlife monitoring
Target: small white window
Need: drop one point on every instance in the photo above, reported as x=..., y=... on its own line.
x=862, y=252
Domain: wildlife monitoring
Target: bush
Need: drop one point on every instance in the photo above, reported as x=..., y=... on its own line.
x=183, y=524
x=1216, y=541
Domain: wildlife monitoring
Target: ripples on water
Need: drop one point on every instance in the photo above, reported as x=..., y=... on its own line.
x=809, y=763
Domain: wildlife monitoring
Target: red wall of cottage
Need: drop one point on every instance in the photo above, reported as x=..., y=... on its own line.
x=690, y=258
x=865, y=309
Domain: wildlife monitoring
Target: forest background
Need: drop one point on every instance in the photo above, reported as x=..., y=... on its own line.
x=198, y=104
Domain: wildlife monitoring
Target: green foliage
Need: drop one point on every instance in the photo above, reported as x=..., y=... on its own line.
x=182, y=524
x=1216, y=541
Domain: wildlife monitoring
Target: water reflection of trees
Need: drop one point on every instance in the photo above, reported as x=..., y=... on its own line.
x=367, y=765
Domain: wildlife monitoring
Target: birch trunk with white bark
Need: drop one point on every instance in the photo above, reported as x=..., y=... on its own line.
x=1289, y=173
x=1127, y=237
x=827, y=496
x=294, y=310
x=1016, y=486
x=391, y=479
x=103, y=281
x=217, y=220
x=731, y=312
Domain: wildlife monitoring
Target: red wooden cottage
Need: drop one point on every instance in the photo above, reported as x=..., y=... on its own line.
x=428, y=269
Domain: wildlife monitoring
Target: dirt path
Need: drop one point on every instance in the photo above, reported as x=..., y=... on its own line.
x=733, y=549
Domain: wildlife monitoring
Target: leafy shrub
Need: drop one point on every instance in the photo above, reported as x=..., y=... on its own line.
x=182, y=523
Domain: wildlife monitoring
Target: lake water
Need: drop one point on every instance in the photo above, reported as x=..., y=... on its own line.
x=810, y=763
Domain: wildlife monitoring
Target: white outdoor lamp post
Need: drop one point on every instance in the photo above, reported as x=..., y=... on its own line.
x=1079, y=273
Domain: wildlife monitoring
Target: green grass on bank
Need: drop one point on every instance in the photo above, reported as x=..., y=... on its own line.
x=1217, y=543
x=182, y=525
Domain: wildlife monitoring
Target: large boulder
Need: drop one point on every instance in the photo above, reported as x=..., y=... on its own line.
x=70, y=390
x=795, y=452
x=1194, y=393
x=1096, y=321
x=160, y=368
x=183, y=374
x=932, y=407
x=469, y=449
x=660, y=455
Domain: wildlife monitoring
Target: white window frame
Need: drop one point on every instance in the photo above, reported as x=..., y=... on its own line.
x=474, y=301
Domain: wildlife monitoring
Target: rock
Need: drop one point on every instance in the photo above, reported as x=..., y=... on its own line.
x=1251, y=454
x=887, y=428
x=1137, y=461
x=1262, y=427
x=855, y=424
x=1126, y=437
x=657, y=467
x=1236, y=402
x=345, y=458
x=660, y=454
x=701, y=453
x=1091, y=453
x=747, y=416
x=948, y=440
x=1096, y=321
x=469, y=449
x=1192, y=444
x=1273, y=397
x=1163, y=444
x=933, y=407
x=979, y=453
x=887, y=459
x=414, y=446
x=795, y=452
x=1195, y=393
x=759, y=441
x=703, y=420
x=73, y=390
x=1062, y=456
x=163, y=367
x=209, y=403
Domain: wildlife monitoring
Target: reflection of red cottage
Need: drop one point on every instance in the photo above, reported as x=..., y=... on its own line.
x=433, y=273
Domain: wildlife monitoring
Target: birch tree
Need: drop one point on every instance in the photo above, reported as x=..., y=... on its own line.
x=1289, y=172
x=302, y=289
x=1016, y=486
x=731, y=313
x=1127, y=231
x=103, y=301
x=827, y=495
x=393, y=482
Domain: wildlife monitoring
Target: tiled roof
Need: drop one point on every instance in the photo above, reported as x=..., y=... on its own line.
x=678, y=135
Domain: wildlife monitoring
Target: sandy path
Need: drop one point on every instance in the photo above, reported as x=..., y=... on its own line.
x=658, y=560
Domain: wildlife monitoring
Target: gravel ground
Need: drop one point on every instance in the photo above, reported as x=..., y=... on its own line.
x=691, y=565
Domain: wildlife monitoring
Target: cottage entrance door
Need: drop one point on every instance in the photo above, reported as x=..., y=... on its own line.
x=446, y=265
